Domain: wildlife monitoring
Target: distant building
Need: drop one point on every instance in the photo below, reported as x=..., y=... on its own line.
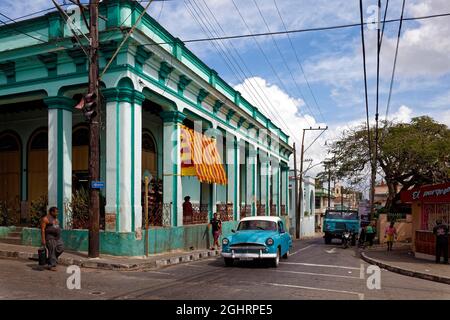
x=346, y=198
x=307, y=209
x=382, y=193
x=321, y=205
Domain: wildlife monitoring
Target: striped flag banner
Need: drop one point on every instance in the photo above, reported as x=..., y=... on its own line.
x=200, y=157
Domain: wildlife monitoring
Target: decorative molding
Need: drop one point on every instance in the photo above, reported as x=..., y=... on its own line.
x=164, y=71
x=241, y=122
x=79, y=58
x=51, y=61
x=201, y=96
x=230, y=114
x=172, y=116
x=142, y=55
x=108, y=48
x=217, y=106
x=9, y=69
x=183, y=82
x=60, y=102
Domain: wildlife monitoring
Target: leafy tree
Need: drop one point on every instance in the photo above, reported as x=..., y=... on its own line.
x=409, y=155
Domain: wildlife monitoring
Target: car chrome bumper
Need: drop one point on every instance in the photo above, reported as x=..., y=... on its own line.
x=260, y=255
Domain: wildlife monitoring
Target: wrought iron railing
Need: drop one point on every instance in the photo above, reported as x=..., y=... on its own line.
x=199, y=214
x=245, y=210
x=261, y=209
x=159, y=215
x=273, y=210
x=225, y=211
x=283, y=210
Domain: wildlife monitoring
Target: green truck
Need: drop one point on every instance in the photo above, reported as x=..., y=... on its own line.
x=338, y=221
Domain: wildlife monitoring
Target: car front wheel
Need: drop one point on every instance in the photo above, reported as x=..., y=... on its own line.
x=276, y=261
x=287, y=254
x=229, y=262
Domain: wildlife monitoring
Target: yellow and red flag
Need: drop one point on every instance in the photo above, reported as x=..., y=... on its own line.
x=200, y=157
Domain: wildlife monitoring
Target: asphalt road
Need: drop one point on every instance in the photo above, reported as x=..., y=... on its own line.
x=313, y=271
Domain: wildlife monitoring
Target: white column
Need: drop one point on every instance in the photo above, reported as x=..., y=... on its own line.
x=252, y=177
x=237, y=161
x=112, y=163
x=123, y=211
x=60, y=156
x=173, y=191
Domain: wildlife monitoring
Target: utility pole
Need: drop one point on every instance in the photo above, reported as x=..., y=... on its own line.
x=300, y=192
x=94, y=126
x=295, y=193
x=342, y=197
x=329, y=187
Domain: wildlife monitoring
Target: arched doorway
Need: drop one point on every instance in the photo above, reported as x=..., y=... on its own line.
x=10, y=159
x=149, y=154
x=80, y=157
x=38, y=165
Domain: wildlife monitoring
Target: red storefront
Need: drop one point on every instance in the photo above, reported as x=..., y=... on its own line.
x=429, y=203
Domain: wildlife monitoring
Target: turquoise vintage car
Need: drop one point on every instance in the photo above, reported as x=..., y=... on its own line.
x=257, y=238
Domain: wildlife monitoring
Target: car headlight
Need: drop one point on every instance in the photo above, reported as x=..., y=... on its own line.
x=269, y=241
x=225, y=241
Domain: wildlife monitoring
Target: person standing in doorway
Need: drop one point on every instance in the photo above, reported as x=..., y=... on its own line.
x=216, y=228
x=441, y=233
x=390, y=233
x=51, y=237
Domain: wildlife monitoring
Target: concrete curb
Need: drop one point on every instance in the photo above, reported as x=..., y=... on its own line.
x=405, y=272
x=105, y=265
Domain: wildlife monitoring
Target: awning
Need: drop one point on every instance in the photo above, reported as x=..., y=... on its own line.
x=200, y=157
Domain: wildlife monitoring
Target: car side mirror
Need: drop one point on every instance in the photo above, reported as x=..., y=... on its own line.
x=232, y=230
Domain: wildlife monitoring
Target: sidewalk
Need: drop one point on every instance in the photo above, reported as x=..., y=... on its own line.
x=401, y=260
x=108, y=262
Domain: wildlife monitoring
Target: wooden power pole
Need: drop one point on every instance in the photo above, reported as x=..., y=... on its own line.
x=94, y=137
x=295, y=192
x=300, y=191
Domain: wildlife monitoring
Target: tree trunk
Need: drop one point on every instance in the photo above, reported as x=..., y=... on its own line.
x=392, y=188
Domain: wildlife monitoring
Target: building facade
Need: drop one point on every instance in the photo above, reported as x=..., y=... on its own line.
x=154, y=90
x=321, y=205
x=307, y=209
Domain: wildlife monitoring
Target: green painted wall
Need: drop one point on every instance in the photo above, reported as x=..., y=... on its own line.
x=5, y=230
x=125, y=244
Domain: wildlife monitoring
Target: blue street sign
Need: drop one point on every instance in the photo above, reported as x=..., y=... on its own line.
x=97, y=184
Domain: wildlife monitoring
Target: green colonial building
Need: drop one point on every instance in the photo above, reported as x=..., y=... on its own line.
x=153, y=88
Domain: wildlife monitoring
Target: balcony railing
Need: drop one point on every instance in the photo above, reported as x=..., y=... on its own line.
x=225, y=211
x=199, y=214
x=261, y=209
x=273, y=210
x=245, y=210
x=158, y=215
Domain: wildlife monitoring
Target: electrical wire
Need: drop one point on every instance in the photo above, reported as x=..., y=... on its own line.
x=395, y=61
x=365, y=78
x=298, y=60
x=284, y=60
x=265, y=102
x=15, y=29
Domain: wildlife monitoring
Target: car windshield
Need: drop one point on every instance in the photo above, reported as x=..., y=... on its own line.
x=346, y=215
x=257, y=225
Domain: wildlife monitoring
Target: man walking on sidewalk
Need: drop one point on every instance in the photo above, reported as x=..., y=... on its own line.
x=441, y=233
x=216, y=228
x=51, y=237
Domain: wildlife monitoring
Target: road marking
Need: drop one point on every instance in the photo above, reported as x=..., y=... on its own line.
x=360, y=295
x=159, y=272
x=318, y=274
x=319, y=265
x=311, y=245
x=331, y=251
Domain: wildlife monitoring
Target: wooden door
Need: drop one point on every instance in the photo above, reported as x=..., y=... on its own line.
x=38, y=166
x=10, y=173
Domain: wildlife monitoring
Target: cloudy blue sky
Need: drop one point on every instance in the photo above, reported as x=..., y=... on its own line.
x=267, y=70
